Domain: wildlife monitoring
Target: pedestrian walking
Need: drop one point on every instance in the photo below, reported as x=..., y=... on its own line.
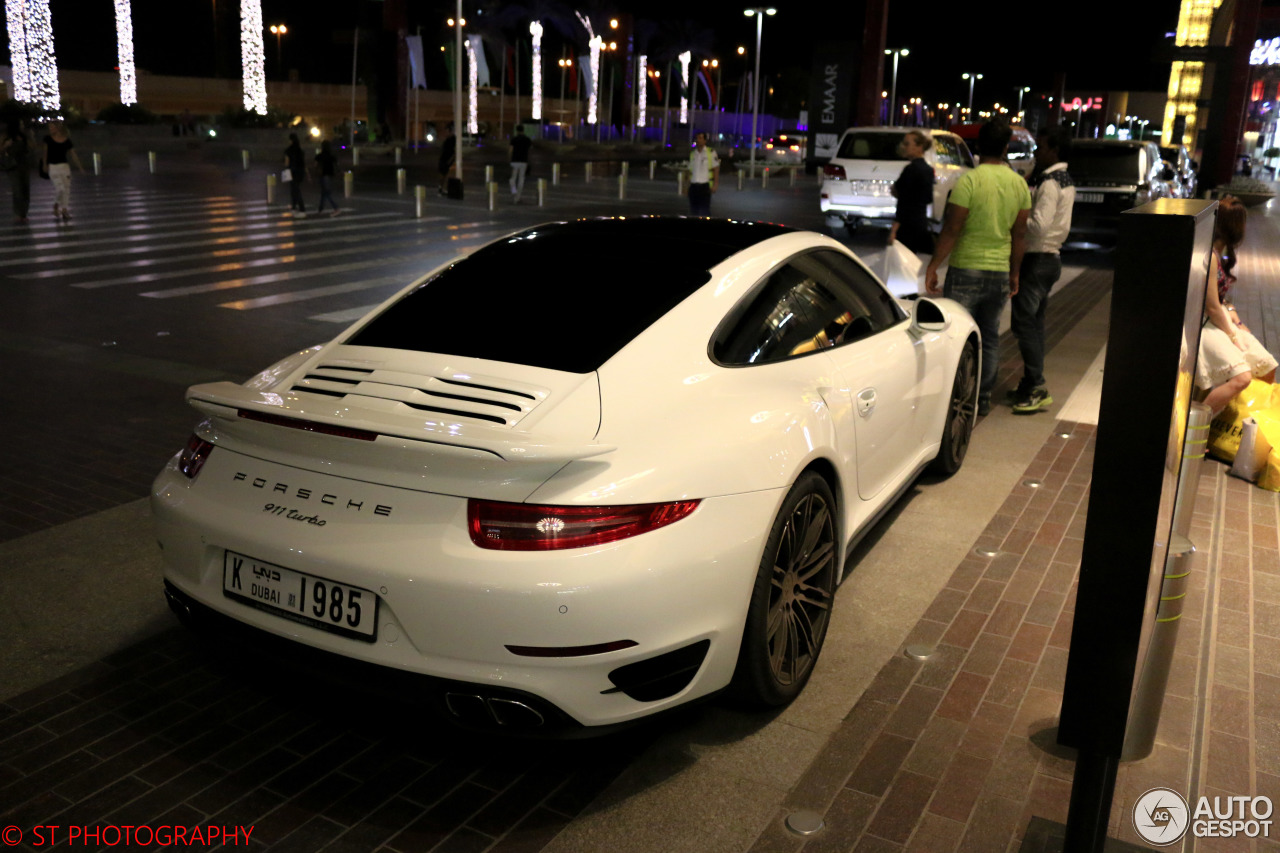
x=520, y=145
x=704, y=175
x=15, y=158
x=296, y=165
x=984, y=232
x=326, y=164
x=914, y=191
x=448, y=154
x=1052, y=195
x=57, y=153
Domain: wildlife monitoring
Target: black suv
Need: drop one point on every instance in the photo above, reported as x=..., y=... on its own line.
x=1111, y=176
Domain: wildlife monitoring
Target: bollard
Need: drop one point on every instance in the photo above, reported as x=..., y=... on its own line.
x=764, y=178
x=555, y=174
x=271, y=189
x=625, y=168
x=622, y=186
x=244, y=159
x=400, y=181
x=355, y=156
x=419, y=199
x=542, y=191
x=348, y=182
x=793, y=175
x=97, y=163
x=740, y=176
x=588, y=166
x=493, y=195
x=151, y=161
x=488, y=175
x=653, y=169
x=397, y=155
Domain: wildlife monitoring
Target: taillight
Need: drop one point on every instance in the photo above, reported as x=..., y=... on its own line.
x=194, y=456
x=833, y=170
x=503, y=526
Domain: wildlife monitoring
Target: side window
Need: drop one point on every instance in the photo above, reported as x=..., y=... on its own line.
x=864, y=296
x=963, y=156
x=946, y=151
x=805, y=305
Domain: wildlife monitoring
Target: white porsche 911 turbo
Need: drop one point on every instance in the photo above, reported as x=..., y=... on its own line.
x=591, y=471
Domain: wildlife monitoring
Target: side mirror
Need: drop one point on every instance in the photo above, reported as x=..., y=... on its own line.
x=928, y=316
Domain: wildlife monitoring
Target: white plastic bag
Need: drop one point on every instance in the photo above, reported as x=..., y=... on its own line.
x=901, y=269
x=1251, y=458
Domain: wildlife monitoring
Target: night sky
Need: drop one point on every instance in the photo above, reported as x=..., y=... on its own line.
x=1101, y=44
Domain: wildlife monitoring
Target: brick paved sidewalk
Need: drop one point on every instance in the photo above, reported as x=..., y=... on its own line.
x=959, y=752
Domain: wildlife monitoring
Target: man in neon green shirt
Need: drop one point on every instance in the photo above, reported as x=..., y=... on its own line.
x=983, y=232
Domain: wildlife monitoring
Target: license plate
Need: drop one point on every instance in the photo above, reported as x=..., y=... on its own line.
x=324, y=604
x=1090, y=198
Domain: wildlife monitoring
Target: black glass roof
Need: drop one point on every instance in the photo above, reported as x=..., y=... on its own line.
x=565, y=296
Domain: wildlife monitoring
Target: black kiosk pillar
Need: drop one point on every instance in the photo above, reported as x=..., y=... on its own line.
x=1162, y=268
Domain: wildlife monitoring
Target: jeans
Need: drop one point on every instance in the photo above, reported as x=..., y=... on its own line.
x=295, y=194
x=700, y=199
x=1040, y=270
x=326, y=192
x=518, y=171
x=983, y=294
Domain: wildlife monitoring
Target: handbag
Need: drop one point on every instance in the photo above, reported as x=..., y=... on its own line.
x=286, y=176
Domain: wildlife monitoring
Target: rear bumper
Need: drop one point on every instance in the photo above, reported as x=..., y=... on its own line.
x=451, y=611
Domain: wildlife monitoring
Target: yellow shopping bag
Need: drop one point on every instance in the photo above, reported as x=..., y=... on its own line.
x=1224, y=432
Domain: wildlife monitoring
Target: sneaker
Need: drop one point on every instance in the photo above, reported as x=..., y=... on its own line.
x=1036, y=400
x=984, y=406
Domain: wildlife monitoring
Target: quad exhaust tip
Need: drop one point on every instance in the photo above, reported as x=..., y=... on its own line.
x=507, y=713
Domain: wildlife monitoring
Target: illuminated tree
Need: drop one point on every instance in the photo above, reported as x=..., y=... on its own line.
x=252, y=57
x=124, y=52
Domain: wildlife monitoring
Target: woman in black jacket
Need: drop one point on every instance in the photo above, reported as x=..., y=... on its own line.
x=914, y=191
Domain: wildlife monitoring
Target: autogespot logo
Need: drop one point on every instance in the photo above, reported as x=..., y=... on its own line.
x=1160, y=816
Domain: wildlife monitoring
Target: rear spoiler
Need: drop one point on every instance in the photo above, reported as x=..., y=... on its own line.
x=233, y=402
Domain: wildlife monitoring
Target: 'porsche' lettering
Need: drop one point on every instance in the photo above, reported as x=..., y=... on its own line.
x=304, y=494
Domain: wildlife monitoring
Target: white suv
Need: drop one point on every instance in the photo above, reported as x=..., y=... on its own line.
x=857, y=183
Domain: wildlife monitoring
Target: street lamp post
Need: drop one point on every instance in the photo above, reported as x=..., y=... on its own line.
x=1022, y=90
x=759, y=12
x=893, y=87
x=279, y=30
x=563, y=63
x=971, y=78
x=715, y=131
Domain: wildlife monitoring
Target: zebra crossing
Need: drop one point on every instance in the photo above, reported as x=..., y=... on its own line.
x=165, y=244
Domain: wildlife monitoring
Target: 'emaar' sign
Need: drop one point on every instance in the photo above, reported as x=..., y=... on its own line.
x=1265, y=52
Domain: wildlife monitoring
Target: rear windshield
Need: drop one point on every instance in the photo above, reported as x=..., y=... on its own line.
x=565, y=296
x=870, y=146
x=1116, y=164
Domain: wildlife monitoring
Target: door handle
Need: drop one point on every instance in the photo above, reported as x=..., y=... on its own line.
x=866, y=401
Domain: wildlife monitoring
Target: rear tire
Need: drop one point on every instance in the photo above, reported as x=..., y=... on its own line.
x=791, y=602
x=962, y=414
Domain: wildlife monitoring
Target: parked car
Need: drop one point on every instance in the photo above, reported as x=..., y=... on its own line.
x=1185, y=169
x=785, y=149
x=585, y=515
x=1022, y=146
x=1112, y=176
x=857, y=182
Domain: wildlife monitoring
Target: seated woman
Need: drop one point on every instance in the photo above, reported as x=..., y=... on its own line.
x=1230, y=356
